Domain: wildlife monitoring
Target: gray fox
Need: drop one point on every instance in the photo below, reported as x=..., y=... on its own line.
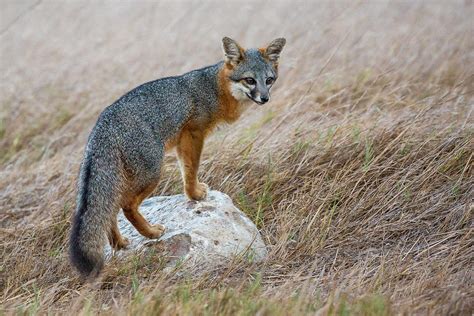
x=124, y=152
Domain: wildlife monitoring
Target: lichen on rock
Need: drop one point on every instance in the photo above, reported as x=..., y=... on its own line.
x=210, y=231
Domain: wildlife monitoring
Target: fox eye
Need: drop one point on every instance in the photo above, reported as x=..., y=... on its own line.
x=270, y=80
x=250, y=81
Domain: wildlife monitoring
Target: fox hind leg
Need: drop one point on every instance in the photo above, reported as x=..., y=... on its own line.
x=142, y=225
x=116, y=240
x=136, y=218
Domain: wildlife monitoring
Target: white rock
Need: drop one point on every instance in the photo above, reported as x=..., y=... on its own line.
x=210, y=231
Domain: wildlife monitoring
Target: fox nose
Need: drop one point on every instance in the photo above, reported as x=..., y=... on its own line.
x=264, y=99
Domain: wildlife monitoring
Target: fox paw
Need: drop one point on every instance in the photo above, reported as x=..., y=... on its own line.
x=121, y=244
x=157, y=231
x=198, y=192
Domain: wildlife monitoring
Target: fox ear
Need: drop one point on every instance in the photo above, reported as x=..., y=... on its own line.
x=274, y=49
x=233, y=53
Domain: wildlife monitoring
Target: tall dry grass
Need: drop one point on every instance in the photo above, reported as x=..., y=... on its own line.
x=359, y=173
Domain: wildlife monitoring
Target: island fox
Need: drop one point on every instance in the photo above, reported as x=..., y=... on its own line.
x=124, y=152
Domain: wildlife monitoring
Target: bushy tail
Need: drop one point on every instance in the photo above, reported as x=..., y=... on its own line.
x=94, y=214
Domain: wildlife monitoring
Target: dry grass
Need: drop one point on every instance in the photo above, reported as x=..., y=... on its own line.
x=359, y=173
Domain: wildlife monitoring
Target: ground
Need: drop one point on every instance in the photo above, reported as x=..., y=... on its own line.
x=358, y=173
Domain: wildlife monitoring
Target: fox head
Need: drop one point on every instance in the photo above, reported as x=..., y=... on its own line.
x=253, y=71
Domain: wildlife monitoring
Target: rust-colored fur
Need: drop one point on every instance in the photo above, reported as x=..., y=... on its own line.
x=188, y=144
x=229, y=108
x=123, y=157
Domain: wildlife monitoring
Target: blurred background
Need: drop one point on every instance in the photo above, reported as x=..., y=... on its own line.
x=75, y=57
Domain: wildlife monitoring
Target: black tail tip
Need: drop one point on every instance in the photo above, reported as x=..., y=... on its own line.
x=86, y=266
x=89, y=265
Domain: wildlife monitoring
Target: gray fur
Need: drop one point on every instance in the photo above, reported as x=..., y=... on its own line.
x=254, y=65
x=126, y=146
x=274, y=49
x=232, y=51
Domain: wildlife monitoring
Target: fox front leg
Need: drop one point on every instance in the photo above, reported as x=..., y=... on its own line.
x=189, y=154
